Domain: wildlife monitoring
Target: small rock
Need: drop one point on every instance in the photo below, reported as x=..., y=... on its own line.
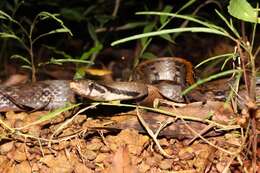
x=23, y=167
x=44, y=168
x=94, y=146
x=2, y=159
x=19, y=156
x=101, y=157
x=35, y=167
x=90, y=155
x=96, y=140
x=5, y=148
x=136, y=159
x=58, y=164
x=62, y=145
x=163, y=142
x=105, y=149
x=4, y=163
x=79, y=168
x=166, y=164
x=221, y=166
x=151, y=161
x=186, y=153
x=18, y=145
x=157, y=157
x=143, y=167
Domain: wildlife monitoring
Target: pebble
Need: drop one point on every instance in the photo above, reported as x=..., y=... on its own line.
x=105, y=149
x=166, y=164
x=101, y=157
x=143, y=167
x=94, y=146
x=23, y=167
x=5, y=148
x=19, y=156
x=90, y=155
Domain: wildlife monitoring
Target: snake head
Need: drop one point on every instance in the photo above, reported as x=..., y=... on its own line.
x=82, y=87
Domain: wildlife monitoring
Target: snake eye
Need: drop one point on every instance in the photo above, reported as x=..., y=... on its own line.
x=91, y=86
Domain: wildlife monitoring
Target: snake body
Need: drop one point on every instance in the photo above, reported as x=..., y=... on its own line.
x=49, y=94
x=169, y=75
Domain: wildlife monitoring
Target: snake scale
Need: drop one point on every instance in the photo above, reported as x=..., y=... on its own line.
x=169, y=75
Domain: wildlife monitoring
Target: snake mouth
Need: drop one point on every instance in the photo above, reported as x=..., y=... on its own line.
x=78, y=88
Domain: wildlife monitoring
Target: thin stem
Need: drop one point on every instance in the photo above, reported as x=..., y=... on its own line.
x=254, y=30
x=31, y=53
x=257, y=51
x=117, y=4
x=32, y=61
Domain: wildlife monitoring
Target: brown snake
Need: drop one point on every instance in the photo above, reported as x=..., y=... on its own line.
x=169, y=75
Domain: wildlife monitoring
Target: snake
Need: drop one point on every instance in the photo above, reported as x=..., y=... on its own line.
x=170, y=75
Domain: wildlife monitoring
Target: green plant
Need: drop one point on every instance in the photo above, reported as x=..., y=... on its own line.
x=245, y=53
x=86, y=58
x=212, y=29
x=26, y=37
x=160, y=23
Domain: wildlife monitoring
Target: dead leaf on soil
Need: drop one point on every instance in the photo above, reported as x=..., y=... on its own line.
x=121, y=162
x=216, y=111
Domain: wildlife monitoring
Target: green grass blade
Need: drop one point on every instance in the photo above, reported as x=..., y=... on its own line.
x=226, y=60
x=45, y=15
x=214, y=58
x=56, y=112
x=169, y=31
x=52, y=115
x=70, y=60
x=185, y=17
x=230, y=25
x=9, y=35
x=215, y=76
x=5, y=16
x=59, y=30
x=24, y=59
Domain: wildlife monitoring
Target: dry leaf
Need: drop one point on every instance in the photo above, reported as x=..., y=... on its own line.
x=121, y=162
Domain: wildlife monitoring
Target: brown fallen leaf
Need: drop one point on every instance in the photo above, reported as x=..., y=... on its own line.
x=218, y=112
x=121, y=162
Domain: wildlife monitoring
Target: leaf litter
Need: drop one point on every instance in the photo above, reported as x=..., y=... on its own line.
x=121, y=143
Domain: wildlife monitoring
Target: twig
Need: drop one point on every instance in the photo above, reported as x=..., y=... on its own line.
x=202, y=132
x=62, y=126
x=172, y=114
x=103, y=138
x=208, y=142
x=162, y=126
x=152, y=135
